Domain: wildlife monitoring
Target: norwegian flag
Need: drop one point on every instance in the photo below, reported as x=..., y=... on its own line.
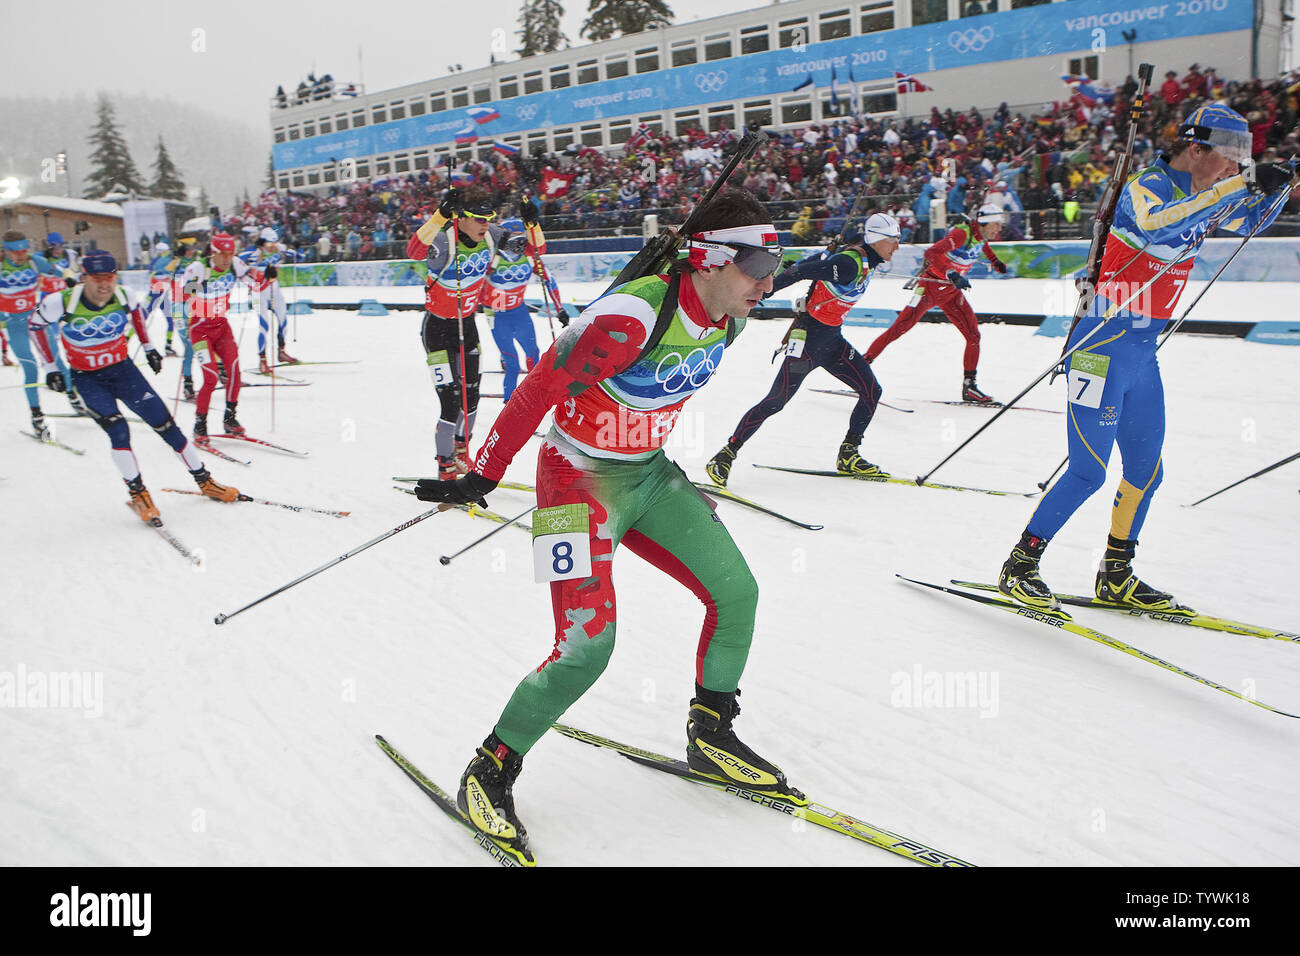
x=555, y=184
x=910, y=84
x=483, y=114
x=638, y=139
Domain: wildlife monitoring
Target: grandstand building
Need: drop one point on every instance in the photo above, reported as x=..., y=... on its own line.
x=783, y=65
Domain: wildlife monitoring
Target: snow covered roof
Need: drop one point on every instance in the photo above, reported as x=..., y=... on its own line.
x=90, y=206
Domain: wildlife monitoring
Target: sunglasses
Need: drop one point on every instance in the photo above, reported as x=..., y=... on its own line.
x=479, y=214
x=757, y=262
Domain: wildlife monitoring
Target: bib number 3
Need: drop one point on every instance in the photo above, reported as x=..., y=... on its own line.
x=561, y=545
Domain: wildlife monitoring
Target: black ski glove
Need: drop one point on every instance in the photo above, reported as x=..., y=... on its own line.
x=1268, y=177
x=999, y=266
x=271, y=272
x=528, y=213
x=154, y=359
x=958, y=280
x=467, y=489
x=451, y=207
x=564, y=317
x=54, y=381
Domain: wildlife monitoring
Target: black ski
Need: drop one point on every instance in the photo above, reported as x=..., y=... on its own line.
x=711, y=489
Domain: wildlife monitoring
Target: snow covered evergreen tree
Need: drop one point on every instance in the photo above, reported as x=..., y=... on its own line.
x=111, y=165
x=541, y=32
x=609, y=18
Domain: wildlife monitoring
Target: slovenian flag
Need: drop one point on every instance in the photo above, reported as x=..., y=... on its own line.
x=505, y=149
x=466, y=136
x=483, y=114
x=910, y=84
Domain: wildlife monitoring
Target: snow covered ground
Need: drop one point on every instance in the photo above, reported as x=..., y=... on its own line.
x=252, y=742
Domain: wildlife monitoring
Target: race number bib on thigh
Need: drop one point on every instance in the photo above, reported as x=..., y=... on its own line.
x=795, y=344
x=202, y=354
x=561, y=546
x=1087, y=378
x=440, y=368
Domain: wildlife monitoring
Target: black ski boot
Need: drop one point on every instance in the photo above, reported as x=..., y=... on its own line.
x=187, y=389
x=712, y=748
x=1117, y=584
x=850, y=462
x=41, y=429
x=485, y=795
x=719, y=467
x=1020, y=578
x=970, y=392
x=229, y=422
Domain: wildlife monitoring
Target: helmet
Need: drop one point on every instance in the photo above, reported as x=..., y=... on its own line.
x=269, y=235
x=514, y=240
x=98, y=263
x=222, y=242
x=160, y=247
x=1222, y=129
x=990, y=212
x=54, y=239
x=879, y=226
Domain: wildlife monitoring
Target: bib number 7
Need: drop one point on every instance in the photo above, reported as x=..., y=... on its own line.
x=1087, y=378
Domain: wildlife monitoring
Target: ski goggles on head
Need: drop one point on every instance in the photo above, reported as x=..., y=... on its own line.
x=753, y=249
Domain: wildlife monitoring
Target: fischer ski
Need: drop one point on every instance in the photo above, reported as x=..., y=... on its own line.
x=263, y=501
x=477, y=511
x=894, y=480
x=815, y=813
x=264, y=444
x=503, y=853
x=171, y=539
x=1182, y=615
x=1063, y=621
x=715, y=491
x=848, y=392
x=53, y=442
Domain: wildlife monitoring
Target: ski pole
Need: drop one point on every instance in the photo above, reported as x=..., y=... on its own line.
x=1262, y=471
x=453, y=245
x=223, y=618
x=448, y=558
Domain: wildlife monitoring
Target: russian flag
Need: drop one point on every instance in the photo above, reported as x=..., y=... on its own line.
x=483, y=114
x=505, y=149
x=1091, y=93
x=466, y=136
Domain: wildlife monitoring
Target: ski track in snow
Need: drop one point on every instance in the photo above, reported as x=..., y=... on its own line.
x=252, y=743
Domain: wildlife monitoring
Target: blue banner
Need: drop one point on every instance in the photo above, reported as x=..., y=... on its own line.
x=1049, y=29
x=1275, y=333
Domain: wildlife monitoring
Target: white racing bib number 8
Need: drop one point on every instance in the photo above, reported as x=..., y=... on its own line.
x=1087, y=378
x=561, y=546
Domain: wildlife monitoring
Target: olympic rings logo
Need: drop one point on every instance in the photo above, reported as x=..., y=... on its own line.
x=100, y=326
x=390, y=136
x=526, y=112
x=559, y=522
x=967, y=41
x=711, y=82
x=693, y=370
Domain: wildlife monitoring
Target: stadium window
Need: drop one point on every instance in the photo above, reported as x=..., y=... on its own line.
x=396, y=111
x=328, y=175
x=509, y=87
x=325, y=125
x=382, y=165
x=885, y=102
x=417, y=107
x=536, y=144
x=358, y=119
x=591, y=135
x=684, y=53
x=459, y=97
x=684, y=121
x=437, y=102
x=284, y=181
x=615, y=67
x=560, y=78
x=401, y=164
x=929, y=11
x=313, y=178
x=834, y=24
x=758, y=112
x=363, y=169
x=280, y=135
x=308, y=129
x=587, y=72
x=1084, y=66
x=514, y=139
x=975, y=8
x=655, y=122
x=532, y=82
x=341, y=122
x=647, y=60
x=720, y=116
x=563, y=138
x=797, y=112
x=620, y=131
x=482, y=93
x=421, y=160
x=379, y=115
x=793, y=32
x=754, y=40
x=717, y=46
x=297, y=179
x=294, y=132
x=877, y=15
x=1020, y=4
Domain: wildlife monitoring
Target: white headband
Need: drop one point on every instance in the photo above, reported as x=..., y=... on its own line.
x=708, y=251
